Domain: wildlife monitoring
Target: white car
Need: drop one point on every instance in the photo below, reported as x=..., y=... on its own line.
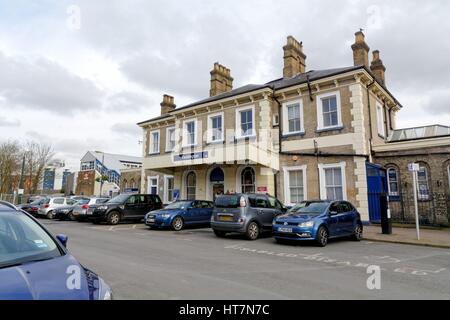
x=50, y=204
x=79, y=212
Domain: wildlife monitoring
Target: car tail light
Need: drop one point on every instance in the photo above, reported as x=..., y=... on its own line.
x=46, y=206
x=85, y=206
x=34, y=209
x=242, y=202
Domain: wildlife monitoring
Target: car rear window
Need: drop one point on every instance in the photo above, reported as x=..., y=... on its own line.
x=228, y=201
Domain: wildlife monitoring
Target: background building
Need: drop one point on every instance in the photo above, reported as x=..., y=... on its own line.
x=95, y=165
x=55, y=176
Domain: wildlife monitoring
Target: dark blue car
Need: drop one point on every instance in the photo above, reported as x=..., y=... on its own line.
x=34, y=265
x=319, y=221
x=180, y=214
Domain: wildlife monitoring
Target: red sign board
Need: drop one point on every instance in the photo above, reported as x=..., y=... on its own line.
x=262, y=189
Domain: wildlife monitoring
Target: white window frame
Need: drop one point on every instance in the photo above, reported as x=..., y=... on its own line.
x=323, y=189
x=210, y=131
x=185, y=133
x=168, y=149
x=393, y=194
x=320, y=125
x=239, y=134
x=380, y=120
x=286, y=105
x=151, y=151
x=149, y=186
x=166, y=187
x=287, y=193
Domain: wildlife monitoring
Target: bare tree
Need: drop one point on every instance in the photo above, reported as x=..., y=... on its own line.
x=37, y=155
x=9, y=165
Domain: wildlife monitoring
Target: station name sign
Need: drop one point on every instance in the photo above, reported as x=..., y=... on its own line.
x=191, y=156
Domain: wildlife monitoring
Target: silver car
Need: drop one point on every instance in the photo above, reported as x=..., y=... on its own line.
x=50, y=204
x=79, y=212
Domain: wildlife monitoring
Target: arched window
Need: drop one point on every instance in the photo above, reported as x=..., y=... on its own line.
x=393, y=184
x=132, y=184
x=125, y=184
x=191, y=185
x=423, y=183
x=248, y=180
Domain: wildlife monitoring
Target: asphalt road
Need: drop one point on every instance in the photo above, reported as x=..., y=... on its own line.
x=194, y=264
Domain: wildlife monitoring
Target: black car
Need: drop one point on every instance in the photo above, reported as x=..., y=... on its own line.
x=65, y=213
x=249, y=214
x=33, y=207
x=125, y=207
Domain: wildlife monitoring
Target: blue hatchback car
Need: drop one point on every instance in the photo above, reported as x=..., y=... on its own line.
x=34, y=265
x=180, y=214
x=319, y=221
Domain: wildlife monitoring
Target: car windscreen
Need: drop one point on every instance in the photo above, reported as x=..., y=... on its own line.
x=119, y=199
x=310, y=208
x=227, y=201
x=179, y=205
x=22, y=241
x=82, y=202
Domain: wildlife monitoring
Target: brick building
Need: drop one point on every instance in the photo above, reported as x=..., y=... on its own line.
x=308, y=135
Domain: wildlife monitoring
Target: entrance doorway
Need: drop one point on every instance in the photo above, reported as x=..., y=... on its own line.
x=217, y=181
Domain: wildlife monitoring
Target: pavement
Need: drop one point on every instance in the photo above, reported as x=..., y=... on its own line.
x=405, y=235
x=193, y=264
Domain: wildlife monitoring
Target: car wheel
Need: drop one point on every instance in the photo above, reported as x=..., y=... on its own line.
x=178, y=224
x=113, y=218
x=50, y=215
x=252, y=231
x=358, y=233
x=322, y=237
x=71, y=217
x=220, y=234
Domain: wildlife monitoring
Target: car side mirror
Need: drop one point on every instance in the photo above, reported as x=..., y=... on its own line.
x=63, y=239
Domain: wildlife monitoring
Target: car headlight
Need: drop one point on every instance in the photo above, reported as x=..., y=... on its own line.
x=104, y=291
x=103, y=208
x=308, y=224
x=165, y=216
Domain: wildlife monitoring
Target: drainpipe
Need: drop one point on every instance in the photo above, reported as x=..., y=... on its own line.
x=280, y=136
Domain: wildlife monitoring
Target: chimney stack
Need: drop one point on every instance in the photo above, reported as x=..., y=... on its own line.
x=360, y=50
x=294, y=58
x=378, y=68
x=167, y=105
x=221, y=80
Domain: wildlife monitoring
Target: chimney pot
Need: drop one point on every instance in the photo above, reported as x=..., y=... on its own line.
x=221, y=80
x=360, y=50
x=294, y=58
x=167, y=105
x=377, y=67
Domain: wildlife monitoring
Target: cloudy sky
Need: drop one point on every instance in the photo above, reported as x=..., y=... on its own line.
x=81, y=74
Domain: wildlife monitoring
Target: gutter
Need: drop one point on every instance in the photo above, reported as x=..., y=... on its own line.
x=370, y=119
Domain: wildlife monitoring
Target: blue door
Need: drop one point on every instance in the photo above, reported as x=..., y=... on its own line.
x=377, y=191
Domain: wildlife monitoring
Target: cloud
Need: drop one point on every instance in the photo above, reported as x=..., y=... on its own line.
x=129, y=129
x=42, y=84
x=129, y=101
x=9, y=123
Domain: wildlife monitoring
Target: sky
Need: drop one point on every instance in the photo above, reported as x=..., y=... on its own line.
x=80, y=74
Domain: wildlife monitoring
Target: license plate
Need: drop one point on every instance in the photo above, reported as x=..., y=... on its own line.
x=226, y=218
x=285, y=230
x=90, y=211
x=151, y=220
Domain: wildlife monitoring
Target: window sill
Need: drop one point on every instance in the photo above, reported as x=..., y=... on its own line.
x=154, y=154
x=294, y=134
x=215, y=142
x=247, y=138
x=337, y=128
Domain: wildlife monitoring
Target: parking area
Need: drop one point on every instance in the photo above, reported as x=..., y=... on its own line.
x=140, y=263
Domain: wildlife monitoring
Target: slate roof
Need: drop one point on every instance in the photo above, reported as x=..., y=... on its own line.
x=274, y=84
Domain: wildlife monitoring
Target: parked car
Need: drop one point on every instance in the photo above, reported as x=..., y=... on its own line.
x=78, y=198
x=66, y=212
x=34, y=265
x=36, y=198
x=79, y=212
x=33, y=207
x=249, y=214
x=319, y=221
x=50, y=204
x=179, y=214
x=124, y=207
